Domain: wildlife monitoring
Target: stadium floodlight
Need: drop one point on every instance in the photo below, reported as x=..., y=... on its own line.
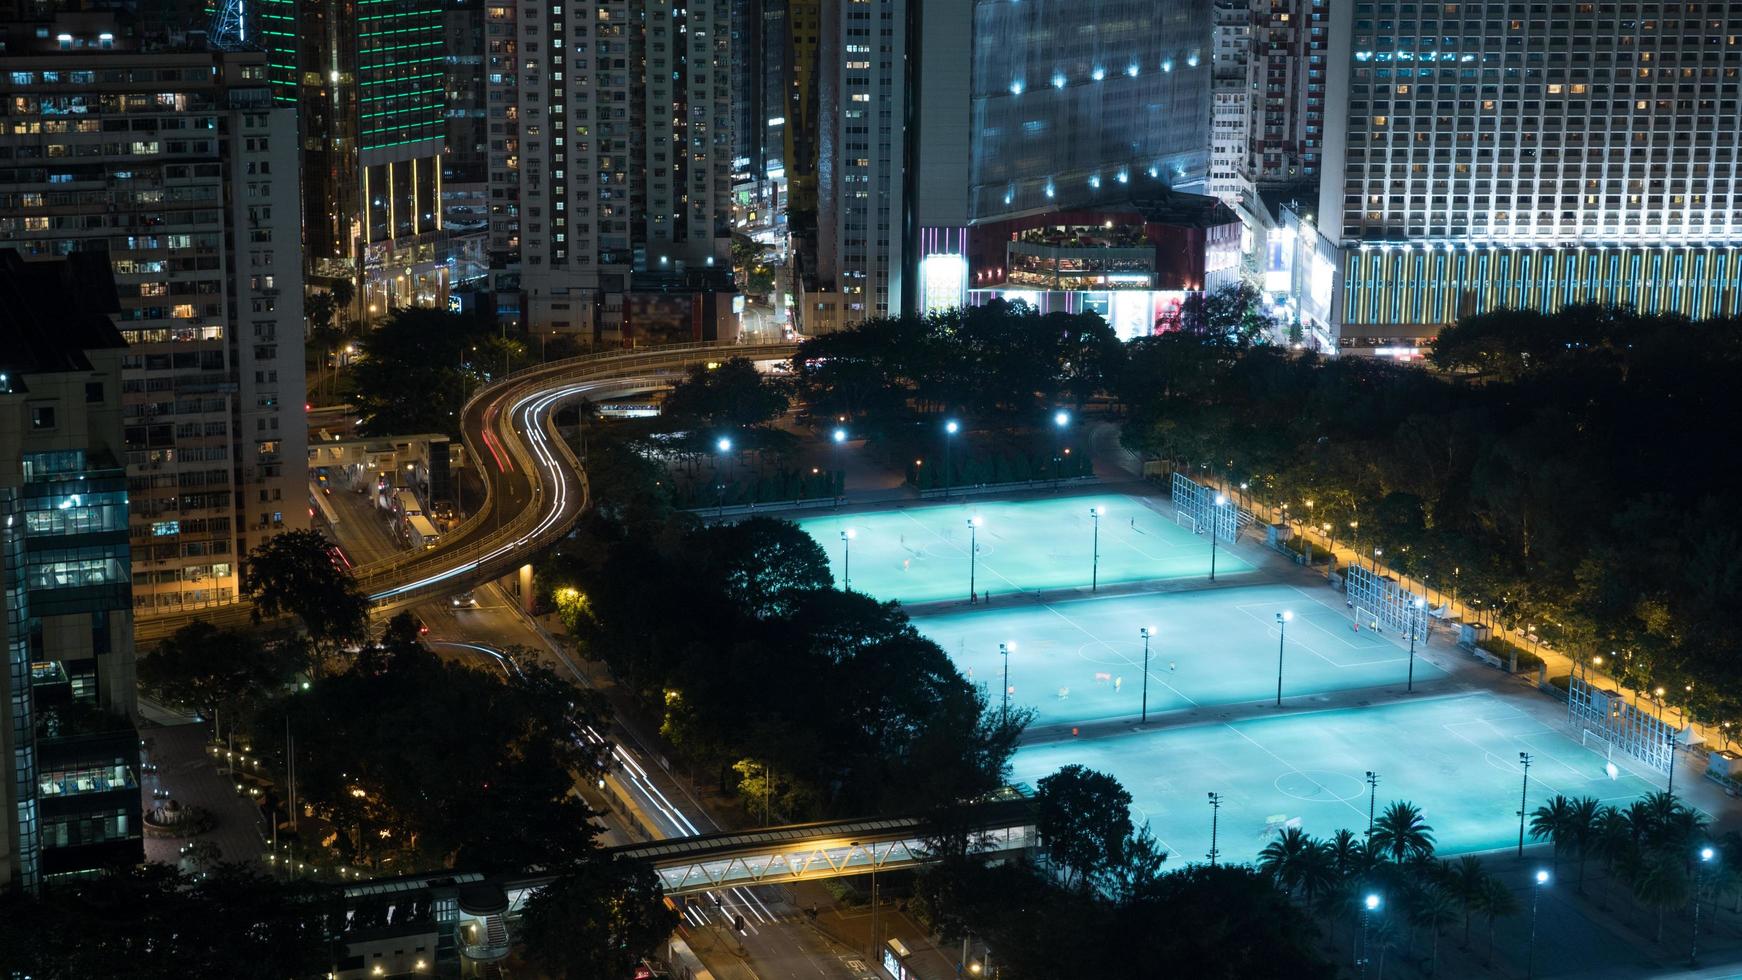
x=1061, y=418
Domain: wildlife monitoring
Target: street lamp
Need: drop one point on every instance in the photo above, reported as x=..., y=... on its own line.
x=1004, y=651
x=1061, y=420
x=1146, y=632
x=973, y=551
x=950, y=429
x=1215, y=814
x=1376, y=553
x=847, y=537
x=723, y=446
x=1309, y=524
x=1523, y=792
x=1282, y=620
x=1215, y=519
x=840, y=439
x=1530, y=950
x=1413, y=617
x=1372, y=799
x=1706, y=855
x=1096, y=513
x=1369, y=905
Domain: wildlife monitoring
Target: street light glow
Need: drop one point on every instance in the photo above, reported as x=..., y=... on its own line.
x=977, y=521
x=1101, y=511
x=1061, y=418
x=1706, y=854
x=840, y=435
x=1287, y=615
x=1372, y=902
x=851, y=533
x=951, y=426
x=724, y=445
x=1542, y=877
x=1221, y=499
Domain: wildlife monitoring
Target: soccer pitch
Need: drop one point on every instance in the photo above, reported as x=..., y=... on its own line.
x=1454, y=757
x=1081, y=660
x=920, y=554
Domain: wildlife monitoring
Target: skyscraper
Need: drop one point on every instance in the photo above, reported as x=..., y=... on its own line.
x=613, y=154
x=176, y=164
x=366, y=78
x=69, y=754
x=1496, y=154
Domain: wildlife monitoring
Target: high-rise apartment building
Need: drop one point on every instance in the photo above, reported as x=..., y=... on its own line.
x=367, y=80
x=1290, y=41
x=610, y=131
x=176, y=164
x=69, y=753
x=1231, y=96
x=1493, y=154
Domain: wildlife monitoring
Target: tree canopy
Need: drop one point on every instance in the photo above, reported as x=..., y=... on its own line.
x=295, y=573
x=1559, y=471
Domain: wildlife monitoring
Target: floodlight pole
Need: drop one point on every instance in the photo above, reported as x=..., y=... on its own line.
x=1281, y=638
x=1143, y=715
x=1372, y=799
x=1095, y=552
x=1004, y=651
x=1523, y=794
x=1215, y=815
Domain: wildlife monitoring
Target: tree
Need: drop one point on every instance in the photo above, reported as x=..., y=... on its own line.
x=1226, y=921
x=416, y=368
x=1496, y=902
x=1466, y=881
x=294, y=572
x=1553, y=821
x=1584, y=821
x=1282, y=858
x=1401, y=834
x=1661, y=883
x=730, y=397
x=763, y=565
x=596, y=919
x=1083, y=818
x=1431, y=908
x=217, y=672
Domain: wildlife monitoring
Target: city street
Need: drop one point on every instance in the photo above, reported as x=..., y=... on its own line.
x=778, y=940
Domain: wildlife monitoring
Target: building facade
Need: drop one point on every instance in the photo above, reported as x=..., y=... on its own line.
x=1061, y=108
x=69, y=752
x=367, y=79
x=178, y=166
x=613, y=154
x=1497, y=154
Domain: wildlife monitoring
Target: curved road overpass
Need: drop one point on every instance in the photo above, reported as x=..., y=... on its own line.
x=535, y=487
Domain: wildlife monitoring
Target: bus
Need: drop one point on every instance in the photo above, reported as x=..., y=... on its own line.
x=421, y=532
x=406, y=506
x=317, y=504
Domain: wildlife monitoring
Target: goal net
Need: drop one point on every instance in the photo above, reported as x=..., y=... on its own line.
x=1186, y=521
x=1597, y=743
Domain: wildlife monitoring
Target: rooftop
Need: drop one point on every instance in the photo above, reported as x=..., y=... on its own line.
x=52, y=312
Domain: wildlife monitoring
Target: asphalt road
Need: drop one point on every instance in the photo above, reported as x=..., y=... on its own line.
x=778, y=940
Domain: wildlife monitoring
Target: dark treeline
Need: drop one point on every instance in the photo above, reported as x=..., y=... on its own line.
x=1566, y=472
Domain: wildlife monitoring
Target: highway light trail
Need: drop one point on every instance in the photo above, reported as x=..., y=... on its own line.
x=529, y=410
x=637, y=778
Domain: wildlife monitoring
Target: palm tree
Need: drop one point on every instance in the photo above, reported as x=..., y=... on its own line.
x=1583, y=825
x=1614, y=843
x=1661, y=884
x=1498, y=902
x=1553, y=821
x=1465, y=880
x=1280, y=859
x=1315, y=873
x=1347, y=855
x=1432, y=908
x=1401, y=833
x=1381, y=935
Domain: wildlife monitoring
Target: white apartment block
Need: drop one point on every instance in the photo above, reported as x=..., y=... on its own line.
x=610, y=140
x=1231, y=95
x=179, y=166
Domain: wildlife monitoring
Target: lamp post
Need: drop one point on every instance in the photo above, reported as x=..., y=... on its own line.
x=973, y=551
x=1372, y=799
x=1369, y=905
x=1413, y=617
x=1523, y=793
x=847, y=537
x=950, y=429
x=1309, y=525
x=1004, y=651
x=1215, y=519
x=1061, y=421
x=722, y=446
x=1146, y=632
x=1096, y=513
x=1670, y=789
x=1706, y=855
x=1215, y=814
x=1376, y=553
x=1530, y=950
x=840, y=439
x=1282, y=620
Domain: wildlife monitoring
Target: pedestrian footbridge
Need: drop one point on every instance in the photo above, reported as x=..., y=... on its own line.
x=808, y=852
